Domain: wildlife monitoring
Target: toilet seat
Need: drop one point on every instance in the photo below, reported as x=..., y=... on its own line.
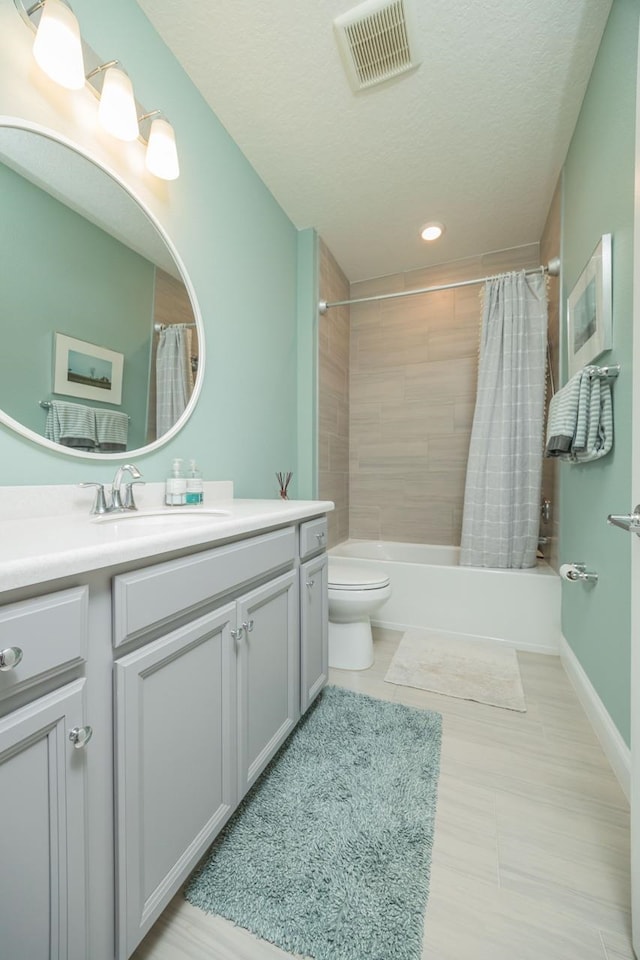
x=356, y=578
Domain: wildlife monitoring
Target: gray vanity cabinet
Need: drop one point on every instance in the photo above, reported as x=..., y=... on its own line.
x=43, y=642
x=268, y=674
x=192, y=670
x=175, y=762
x=42, y=841
x=314, y=620
x=199, y=710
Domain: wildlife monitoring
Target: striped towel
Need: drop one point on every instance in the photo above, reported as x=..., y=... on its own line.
x=71, y=424
x=599, y=431
x=580, y=424
x=112, y=430
x=563, y=417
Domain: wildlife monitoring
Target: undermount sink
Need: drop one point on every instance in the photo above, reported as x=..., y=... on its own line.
x=158, y=518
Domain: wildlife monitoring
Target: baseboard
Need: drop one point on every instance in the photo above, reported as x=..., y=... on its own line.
x=546, y=648
x=616, y=751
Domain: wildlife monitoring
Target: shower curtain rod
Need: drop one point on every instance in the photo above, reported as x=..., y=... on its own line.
x=552, y=268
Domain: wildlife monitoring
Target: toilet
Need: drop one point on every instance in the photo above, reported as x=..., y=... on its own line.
x=354, y=594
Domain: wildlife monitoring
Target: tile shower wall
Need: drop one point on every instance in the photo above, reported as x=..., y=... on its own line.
x=333, y=399
x=413, y=382
x=549, y=248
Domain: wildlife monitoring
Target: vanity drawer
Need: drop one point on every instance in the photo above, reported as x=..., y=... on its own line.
x=313, y=537
x=151, y=597
x=51, y=633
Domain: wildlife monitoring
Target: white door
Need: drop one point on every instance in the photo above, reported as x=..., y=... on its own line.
x=635, y=569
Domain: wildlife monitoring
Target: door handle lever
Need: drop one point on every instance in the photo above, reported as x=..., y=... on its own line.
x=629, y=522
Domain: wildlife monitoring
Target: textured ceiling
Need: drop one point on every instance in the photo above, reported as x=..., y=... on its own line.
x=474, y=138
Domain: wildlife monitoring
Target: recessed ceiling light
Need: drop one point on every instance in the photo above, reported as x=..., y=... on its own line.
x=432, y=230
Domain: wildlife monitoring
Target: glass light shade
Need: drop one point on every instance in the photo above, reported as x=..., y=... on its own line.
x=117, y=111
x=162, y=156
x=58, y=46
x=432, y=231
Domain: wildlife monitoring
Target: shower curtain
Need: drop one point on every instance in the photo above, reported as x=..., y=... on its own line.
x=174, y=377
x=501, y=514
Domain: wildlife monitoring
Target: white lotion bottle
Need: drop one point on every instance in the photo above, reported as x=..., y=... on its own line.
x=176, y=486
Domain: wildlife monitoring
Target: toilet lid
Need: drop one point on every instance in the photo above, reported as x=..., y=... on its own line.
x=356, y=578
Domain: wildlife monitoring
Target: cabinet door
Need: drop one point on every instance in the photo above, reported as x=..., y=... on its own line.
x=175, y=749
x=42, y=841
x=268, y=674
x=314, y=622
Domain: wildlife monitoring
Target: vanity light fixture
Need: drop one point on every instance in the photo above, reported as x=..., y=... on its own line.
x=432, y=230
x=58, y=44
x=162, y=156
x=117, y=111
x=63, y=55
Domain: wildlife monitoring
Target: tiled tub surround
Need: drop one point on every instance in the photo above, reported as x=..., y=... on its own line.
x=333, y=396
x=413, y=367
x=429, y=590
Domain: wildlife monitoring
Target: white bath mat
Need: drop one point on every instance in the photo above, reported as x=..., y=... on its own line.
x=459, y=666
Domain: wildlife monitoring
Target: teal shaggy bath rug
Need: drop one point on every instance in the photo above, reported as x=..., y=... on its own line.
x=328, y=856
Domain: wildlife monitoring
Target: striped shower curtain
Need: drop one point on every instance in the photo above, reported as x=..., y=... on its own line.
x=501, y=515
x=174, y=377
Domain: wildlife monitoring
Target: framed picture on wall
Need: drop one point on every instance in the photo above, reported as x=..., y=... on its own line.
x=85, y=370
x=589, y=310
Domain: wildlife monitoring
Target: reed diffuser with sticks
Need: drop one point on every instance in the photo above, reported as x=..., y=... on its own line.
x=284, y=479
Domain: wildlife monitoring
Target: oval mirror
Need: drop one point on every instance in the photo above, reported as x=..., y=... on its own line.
x=103, y=350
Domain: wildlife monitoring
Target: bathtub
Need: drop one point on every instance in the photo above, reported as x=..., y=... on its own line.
x=430, y=590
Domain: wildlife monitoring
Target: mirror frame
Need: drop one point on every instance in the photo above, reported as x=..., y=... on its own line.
x=15, y=425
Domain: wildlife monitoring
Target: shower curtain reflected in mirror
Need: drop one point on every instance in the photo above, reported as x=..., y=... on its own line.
x=502, y=494
x=174, y=375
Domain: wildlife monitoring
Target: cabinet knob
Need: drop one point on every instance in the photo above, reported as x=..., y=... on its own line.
x=80, y=736
x=248, y=625
x=320, y=537
x=237, y=634
x=10, y=658
x=310, y=583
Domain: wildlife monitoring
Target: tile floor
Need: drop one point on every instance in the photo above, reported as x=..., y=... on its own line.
x=531, y=853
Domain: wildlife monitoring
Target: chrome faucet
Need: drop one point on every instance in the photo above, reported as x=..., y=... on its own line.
x=117, y=502
x=121, y=500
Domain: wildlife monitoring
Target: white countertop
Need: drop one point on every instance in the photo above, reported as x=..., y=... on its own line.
x=34, y=549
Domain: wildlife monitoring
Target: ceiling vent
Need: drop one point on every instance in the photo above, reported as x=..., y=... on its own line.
x=376, y=42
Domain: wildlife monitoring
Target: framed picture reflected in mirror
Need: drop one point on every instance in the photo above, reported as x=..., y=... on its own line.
x=85, y=370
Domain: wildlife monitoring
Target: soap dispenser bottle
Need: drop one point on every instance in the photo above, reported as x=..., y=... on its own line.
x=195, y=487
x=176, y=486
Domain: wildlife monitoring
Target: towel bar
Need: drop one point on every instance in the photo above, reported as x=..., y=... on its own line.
x=604, y=373
x=47, y=404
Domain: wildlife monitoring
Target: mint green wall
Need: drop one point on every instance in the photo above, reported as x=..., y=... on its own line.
x=598, y=198
x=62, y=273
x=237, y=245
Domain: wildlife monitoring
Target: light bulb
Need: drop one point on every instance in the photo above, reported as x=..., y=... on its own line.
x=117, y=111
x=58, y=46
x=162, y=156
x=432, y=231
